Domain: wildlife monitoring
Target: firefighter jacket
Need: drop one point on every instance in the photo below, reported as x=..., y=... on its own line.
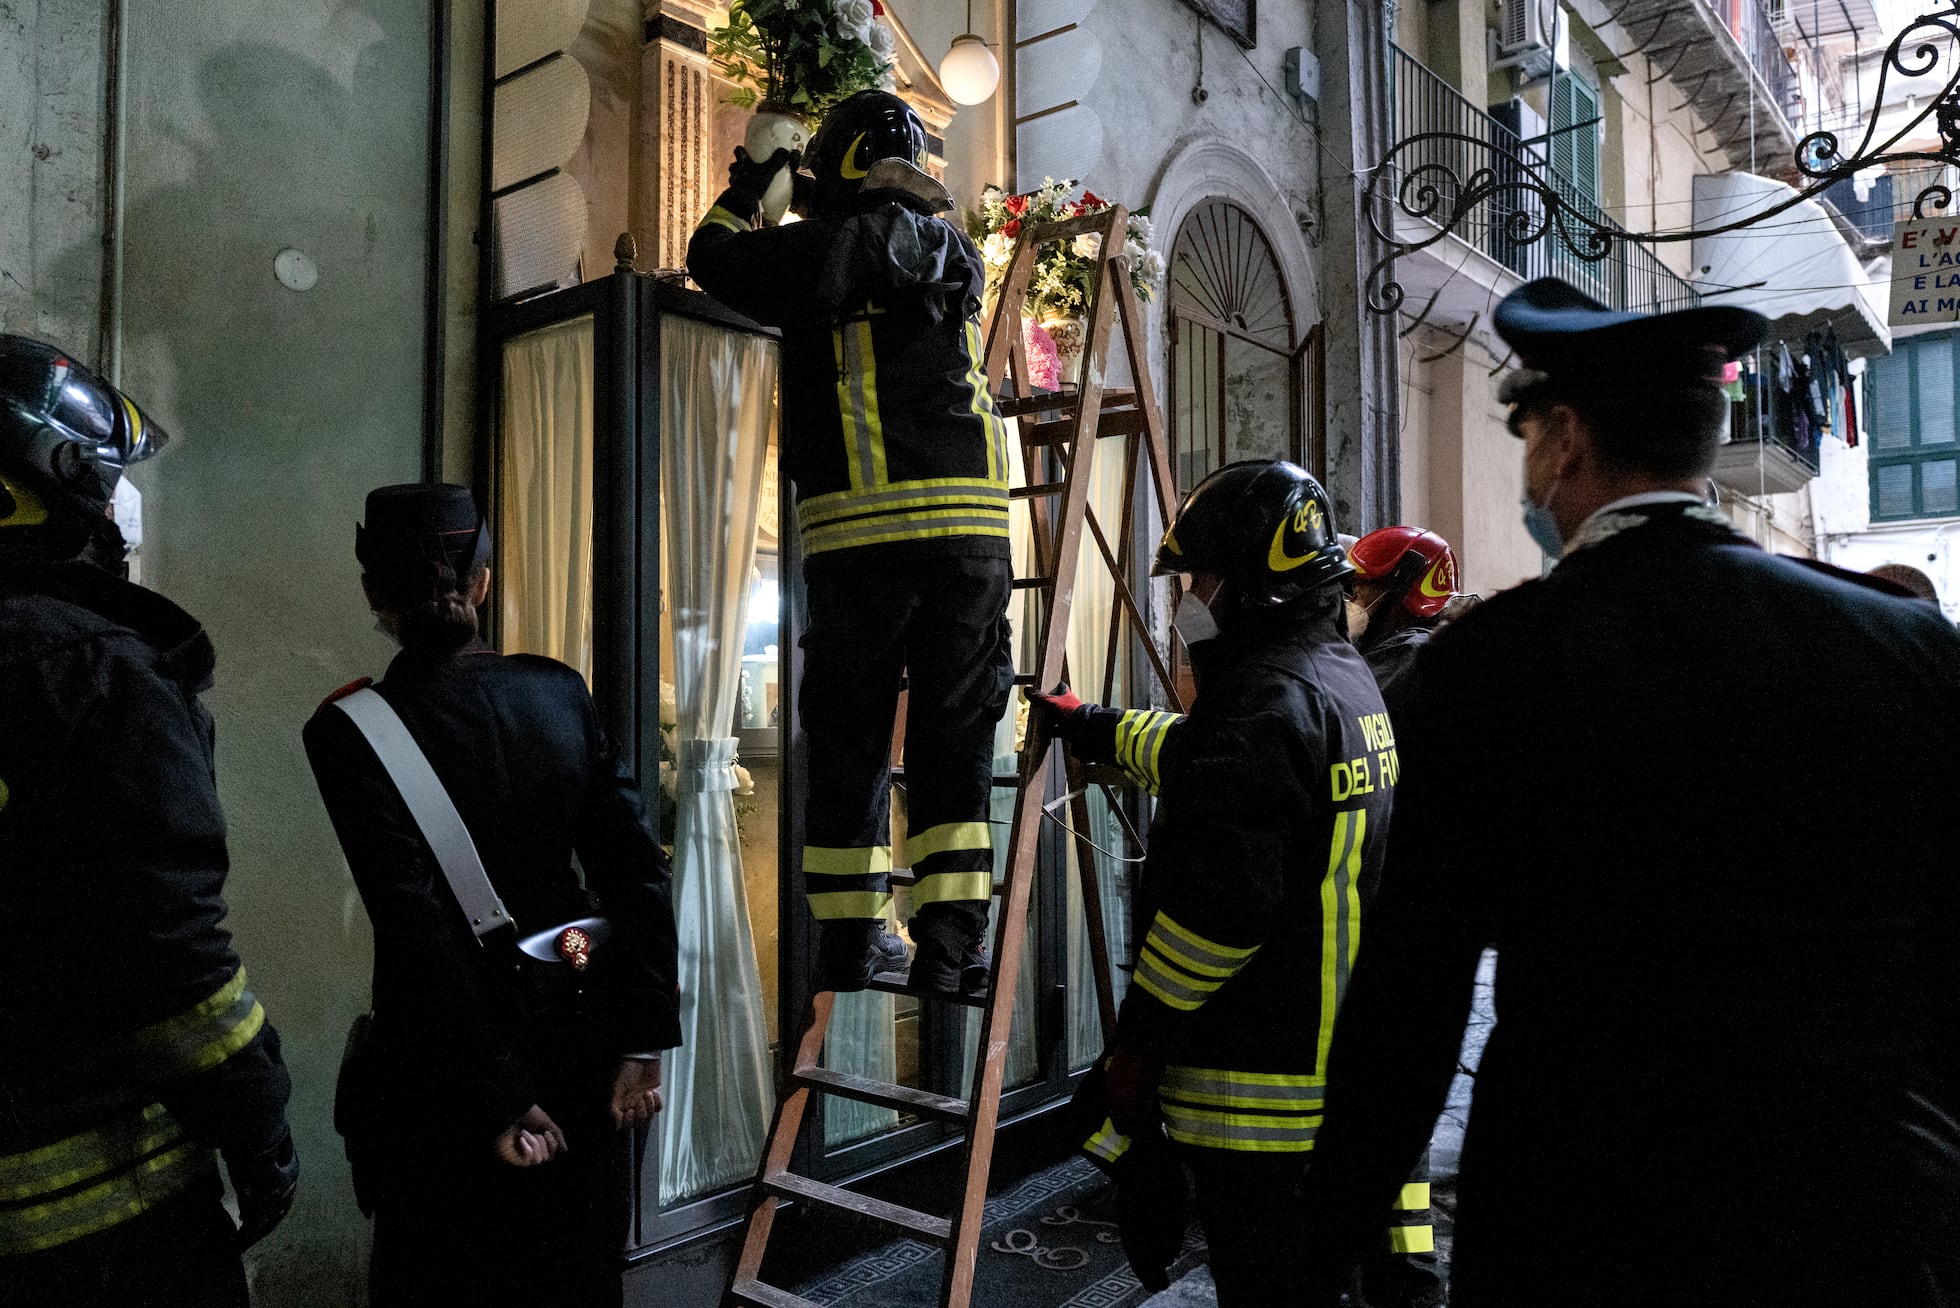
x=516, y=742
x=1393, y=661
x=131, y=1045
x=889, y=431
x=1724, y=919
x=1272, y=812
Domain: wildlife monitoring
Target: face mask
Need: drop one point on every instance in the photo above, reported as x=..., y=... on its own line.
x=1540, y=525
x=1193, y=620
x=128, y=504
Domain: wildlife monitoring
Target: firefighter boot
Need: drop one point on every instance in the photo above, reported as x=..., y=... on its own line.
x=952, y=958
x=852, y=951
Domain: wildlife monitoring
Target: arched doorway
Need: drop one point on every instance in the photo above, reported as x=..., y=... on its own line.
x=1240, y=384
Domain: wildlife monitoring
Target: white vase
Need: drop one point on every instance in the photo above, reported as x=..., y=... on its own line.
x=775, y=127
x=1070, y=335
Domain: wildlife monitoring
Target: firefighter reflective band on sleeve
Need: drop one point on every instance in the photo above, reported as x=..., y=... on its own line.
x=89, y=1182
x=847, y=883
x=1412, y=1239
x=202, y=1036
x=1182, y=968
x=720, y=217
x=1140, y=737
x=1108, y=1143
x=1255, y=1112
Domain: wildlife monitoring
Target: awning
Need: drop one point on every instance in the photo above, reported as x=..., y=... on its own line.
x=1808, y=275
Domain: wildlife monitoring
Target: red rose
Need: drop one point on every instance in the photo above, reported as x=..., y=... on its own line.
x=1091, y=201
x=1015, y=204
x=877, y=9
x=1011, y=228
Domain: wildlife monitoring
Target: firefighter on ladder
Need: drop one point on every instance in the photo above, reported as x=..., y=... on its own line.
x=1273, y=805
x=132, y=1051
x=900, y=466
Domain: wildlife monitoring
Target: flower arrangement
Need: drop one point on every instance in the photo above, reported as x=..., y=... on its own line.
x=803, y=54
x=1064, y=275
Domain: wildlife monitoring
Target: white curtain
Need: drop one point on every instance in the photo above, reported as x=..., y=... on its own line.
x=544, y=527
x=1088, y=650
x=717, y=405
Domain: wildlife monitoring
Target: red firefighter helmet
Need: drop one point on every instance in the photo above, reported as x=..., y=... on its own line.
x=1412, y=560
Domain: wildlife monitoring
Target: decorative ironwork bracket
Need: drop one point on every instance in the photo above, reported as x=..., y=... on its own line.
x=1529, y=205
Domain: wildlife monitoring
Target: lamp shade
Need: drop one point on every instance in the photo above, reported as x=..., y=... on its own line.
x=969, y=72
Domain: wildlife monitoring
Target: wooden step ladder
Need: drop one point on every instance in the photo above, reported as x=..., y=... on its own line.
x=1059, y=433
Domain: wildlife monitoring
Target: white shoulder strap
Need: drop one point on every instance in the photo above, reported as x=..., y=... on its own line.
x=429, y=804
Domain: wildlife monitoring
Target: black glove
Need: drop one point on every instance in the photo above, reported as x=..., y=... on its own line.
x=750, y=179
x=802, y=193
x=264, y=1186
x=1150, y=1200
x=1062, y=709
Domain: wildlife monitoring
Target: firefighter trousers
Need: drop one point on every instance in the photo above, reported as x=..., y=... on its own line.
x=1255, y=1222
x=879, y=619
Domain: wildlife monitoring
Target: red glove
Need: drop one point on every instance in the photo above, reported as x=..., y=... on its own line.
x=1062, y=708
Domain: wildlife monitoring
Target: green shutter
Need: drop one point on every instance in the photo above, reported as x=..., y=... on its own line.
x=1912, y=401
x=1575, y=153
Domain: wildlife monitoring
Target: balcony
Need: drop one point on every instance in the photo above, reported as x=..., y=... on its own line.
x=1629, y=277
x=1760, y=456
x=1727, y=57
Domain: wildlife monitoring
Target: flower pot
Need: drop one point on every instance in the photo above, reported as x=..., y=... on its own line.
x=1069, y=335
x=776, y=127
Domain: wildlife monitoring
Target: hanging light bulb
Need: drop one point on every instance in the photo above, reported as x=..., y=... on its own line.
x=969, y=72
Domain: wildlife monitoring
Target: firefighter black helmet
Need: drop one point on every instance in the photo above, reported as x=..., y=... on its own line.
x=870, y=126
x=65, y=437
x=1264, y=525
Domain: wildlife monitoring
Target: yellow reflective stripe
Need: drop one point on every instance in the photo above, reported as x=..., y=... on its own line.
x=720, y=217
x=1231, y=1100
x=834, y=905
x=1411, y=1239
x=1244, y=1131
x=1209, y=951
x=78, y=1157
x=121, y=1197
x=1168, y=945
x=204, y=1035
x=1150, y=986
x=874, y=425
x=926, y=526
x=1140, y=736
x=854, y=862
x=982, y=405
x=1108, y=1143
x=1336, y=952
x=948, y=837
x=28, y=511
x=1178, y=1075
x=839, y=506
x=953, y=888
x=1414, y=1197
x=1170, y=981
x=848, y=408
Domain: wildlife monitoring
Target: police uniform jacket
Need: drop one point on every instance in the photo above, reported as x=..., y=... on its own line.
x=516, y=742
x=1700, y=799
x=1272, y=815
x=889, y=431
x=131, y=1043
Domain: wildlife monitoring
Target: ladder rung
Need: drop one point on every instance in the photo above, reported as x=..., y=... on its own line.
x=767, y=1296
x=905, y=876
x=1024, y=679
x=1038, y=488
x=1017, y=406
x=898, y=983
x=1111, y=422
x=1033, y=583
x=901, y=1098
x=936, y=1229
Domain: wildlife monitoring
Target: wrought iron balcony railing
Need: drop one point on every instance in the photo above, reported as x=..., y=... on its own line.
x=1446, y=147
